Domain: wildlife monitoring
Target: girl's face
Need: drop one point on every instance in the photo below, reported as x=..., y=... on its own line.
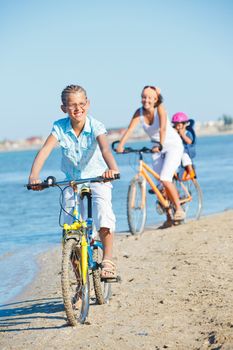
x=149, y=98
x=76, y=106
x=180, y=126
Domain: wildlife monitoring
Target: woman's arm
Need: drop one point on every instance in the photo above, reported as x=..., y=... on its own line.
x=132, y=125
x=40, y=159
x=108, y=157
x=162, y=122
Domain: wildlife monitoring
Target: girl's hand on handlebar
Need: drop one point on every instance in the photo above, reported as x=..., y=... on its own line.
x=120, y=149
x=109, y=174
x=36, y=184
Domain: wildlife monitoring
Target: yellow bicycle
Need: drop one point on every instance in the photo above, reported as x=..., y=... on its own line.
x=81, y=253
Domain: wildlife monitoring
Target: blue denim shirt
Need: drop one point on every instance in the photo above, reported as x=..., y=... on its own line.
x=81, y=156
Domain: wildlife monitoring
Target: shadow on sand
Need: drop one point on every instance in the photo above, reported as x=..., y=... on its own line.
x=18, y=316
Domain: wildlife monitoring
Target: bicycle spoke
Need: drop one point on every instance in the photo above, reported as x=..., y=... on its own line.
x=191, y=198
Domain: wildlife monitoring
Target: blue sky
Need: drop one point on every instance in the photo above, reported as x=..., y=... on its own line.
x=113, y=49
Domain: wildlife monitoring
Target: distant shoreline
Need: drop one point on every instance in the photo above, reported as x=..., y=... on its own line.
x=18, y=146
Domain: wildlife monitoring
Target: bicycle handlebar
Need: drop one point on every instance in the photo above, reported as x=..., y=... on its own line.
x=51, y=181
x=134, y=150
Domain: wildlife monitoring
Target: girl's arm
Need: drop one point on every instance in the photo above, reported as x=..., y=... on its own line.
x=132, y=125
x=108, y=157
x=40, y=159
x=186, y=139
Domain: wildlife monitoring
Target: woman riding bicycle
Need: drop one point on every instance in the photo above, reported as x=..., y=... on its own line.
x=167, y=152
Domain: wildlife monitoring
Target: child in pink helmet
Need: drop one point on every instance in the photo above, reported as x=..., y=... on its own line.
x=184, y=126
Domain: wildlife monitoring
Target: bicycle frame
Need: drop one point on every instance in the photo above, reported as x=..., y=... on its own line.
x=189, y=196
x=81, y=230
x=80, y=252
x=144, y=169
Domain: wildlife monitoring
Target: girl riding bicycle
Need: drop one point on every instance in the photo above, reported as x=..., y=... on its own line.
x=85, y=153
x=168, y=150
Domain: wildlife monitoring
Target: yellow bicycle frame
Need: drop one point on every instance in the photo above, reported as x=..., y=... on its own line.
x=84, y=258
x=78, y=227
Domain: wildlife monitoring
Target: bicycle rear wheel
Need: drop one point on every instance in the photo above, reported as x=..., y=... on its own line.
x=102, y=289
x=75, y=293
x=194, y=207
x=136, y=206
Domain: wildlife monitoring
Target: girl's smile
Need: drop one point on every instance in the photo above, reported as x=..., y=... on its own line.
x=77, y=107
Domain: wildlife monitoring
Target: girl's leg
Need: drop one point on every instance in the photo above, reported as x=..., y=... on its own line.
x=108, y=267
x=103, y=216
x=106, y=238
x=104, y=220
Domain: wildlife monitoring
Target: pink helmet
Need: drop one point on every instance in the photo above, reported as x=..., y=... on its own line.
x=180, y=117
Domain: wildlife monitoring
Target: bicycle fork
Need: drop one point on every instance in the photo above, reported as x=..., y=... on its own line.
x=80, y=224
x=84, y=258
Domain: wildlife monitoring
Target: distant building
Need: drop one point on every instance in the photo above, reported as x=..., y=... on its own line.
x=34, y=141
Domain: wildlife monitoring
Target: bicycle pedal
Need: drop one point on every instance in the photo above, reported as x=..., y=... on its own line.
x=111, y=280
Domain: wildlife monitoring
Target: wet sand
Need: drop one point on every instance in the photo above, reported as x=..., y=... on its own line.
x=176, y=293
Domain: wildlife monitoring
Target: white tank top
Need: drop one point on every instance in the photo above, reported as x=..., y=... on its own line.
x=171, y=137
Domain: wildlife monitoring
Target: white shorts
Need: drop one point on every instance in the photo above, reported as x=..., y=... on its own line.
x=167, y=162
x=102, y=212
x=186, y=160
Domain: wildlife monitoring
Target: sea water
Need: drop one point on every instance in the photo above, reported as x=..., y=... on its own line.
x=29, y=220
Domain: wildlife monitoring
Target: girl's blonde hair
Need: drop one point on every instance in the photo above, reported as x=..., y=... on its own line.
x=70, y=89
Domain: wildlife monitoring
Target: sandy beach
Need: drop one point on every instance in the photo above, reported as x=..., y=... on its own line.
x=176, y=293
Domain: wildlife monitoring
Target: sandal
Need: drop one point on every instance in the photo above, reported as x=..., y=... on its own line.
x=179, y=215
x=108, y=270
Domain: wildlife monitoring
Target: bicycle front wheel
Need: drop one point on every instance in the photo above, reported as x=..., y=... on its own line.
x=136, y=206
x=102, y=289
x=193, y=208
x=75, y=292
